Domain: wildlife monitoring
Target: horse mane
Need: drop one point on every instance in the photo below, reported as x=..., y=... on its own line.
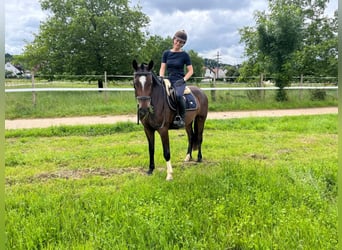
x=143, y=65
x=156, y=79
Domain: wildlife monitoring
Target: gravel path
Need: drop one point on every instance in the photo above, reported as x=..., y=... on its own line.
x=48, y=122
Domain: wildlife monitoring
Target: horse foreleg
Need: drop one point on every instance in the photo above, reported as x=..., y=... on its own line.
x=164, y=134
x=169, y=170
x=150, y=139
x=199, y=155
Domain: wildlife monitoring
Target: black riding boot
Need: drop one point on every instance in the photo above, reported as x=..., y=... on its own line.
x=180, y=120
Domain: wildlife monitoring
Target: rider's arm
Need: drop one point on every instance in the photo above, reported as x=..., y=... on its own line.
x=162, y=69
x=190, y=71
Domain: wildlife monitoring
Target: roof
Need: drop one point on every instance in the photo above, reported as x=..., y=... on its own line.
x=11, y=68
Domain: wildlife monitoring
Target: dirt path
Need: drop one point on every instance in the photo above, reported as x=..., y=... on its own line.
x=89, y=120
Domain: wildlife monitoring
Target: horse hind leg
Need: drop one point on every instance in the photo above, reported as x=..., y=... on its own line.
x=190, y=134
x=198, y=137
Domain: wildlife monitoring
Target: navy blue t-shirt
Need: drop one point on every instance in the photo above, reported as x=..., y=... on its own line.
x=175, y=62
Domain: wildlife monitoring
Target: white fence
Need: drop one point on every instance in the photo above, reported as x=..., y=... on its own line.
x=132, y=89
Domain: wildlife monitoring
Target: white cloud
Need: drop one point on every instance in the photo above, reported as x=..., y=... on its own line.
x=212, y=26
x=208, y=31
x=22, y=20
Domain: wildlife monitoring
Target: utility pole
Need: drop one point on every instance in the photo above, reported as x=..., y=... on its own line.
x=218, y=62
x=216, y=74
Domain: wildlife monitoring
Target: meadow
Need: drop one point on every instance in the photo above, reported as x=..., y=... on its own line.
x=264, y=183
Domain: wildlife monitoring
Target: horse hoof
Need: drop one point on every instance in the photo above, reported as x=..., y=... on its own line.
x=187, y=158
x=149, y=172
x=169, y=178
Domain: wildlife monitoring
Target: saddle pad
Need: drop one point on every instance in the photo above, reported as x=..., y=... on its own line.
x=190, y=102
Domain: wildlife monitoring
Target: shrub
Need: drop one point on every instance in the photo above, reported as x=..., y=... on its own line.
x=318, y=95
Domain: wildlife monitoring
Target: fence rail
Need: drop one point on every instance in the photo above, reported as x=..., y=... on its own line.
x=131, y=89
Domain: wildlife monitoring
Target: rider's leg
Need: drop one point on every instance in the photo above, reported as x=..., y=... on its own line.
x=181, y=110
x=180, y=105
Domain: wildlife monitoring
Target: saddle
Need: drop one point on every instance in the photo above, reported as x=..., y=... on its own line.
x=190, y=100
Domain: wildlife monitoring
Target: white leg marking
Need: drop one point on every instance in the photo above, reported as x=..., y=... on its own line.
x=187, y=158
x=142, y=80
x=169, y=171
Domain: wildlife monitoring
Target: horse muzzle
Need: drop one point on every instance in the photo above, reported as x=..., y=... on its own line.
x=144, y=103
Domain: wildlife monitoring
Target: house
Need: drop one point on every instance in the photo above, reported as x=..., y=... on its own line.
x=210, y=73
x=11, y=70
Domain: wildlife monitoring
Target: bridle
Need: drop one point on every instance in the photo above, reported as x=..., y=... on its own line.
x=143, y=98
x=149, y=98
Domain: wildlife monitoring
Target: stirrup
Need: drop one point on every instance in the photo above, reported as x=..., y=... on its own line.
x=178, y=121
x=177, y=118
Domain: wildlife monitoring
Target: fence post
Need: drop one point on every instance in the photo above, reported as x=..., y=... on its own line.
x=105, y=76
x=33, y=86
x=300, y=85
x=105, y=86
x=261, y=84
x=213, y=84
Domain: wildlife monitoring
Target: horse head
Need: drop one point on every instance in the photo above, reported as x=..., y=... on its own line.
x=143, y=83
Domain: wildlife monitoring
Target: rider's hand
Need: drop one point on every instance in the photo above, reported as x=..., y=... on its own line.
x=161, y=78
x=179, y=82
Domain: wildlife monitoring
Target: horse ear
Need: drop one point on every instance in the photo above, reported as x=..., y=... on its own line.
x=135, y=65
x=150, y=65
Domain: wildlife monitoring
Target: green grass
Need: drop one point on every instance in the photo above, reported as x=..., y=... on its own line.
x=271, y=183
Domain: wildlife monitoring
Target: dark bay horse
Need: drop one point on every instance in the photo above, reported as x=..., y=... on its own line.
x=156, y=115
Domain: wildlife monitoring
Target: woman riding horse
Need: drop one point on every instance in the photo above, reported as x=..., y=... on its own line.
x=156, y=115
x=174, y=60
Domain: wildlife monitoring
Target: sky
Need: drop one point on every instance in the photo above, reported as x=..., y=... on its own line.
x=212, y=26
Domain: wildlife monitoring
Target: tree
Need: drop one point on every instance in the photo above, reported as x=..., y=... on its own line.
x=294, y=37
x=232, y=72
x=318, y=56
x=197, y=64
x=8, y=57
x=279, y=37
x=153, y=50
x=87, y=37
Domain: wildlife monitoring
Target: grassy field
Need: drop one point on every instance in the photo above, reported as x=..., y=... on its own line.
x=66, y=104
x=271, y=183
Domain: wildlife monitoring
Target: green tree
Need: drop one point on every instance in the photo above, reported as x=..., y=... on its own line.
x=318, y=56
x=294, y=37
x=197, y=64
x=153, y=50
x=87, y=37
x=279, y=37
x=232, y=72
x=8, y=57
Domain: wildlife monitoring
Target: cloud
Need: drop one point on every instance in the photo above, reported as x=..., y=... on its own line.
x=22, y=20
x=169, y=6
x=212, y=26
